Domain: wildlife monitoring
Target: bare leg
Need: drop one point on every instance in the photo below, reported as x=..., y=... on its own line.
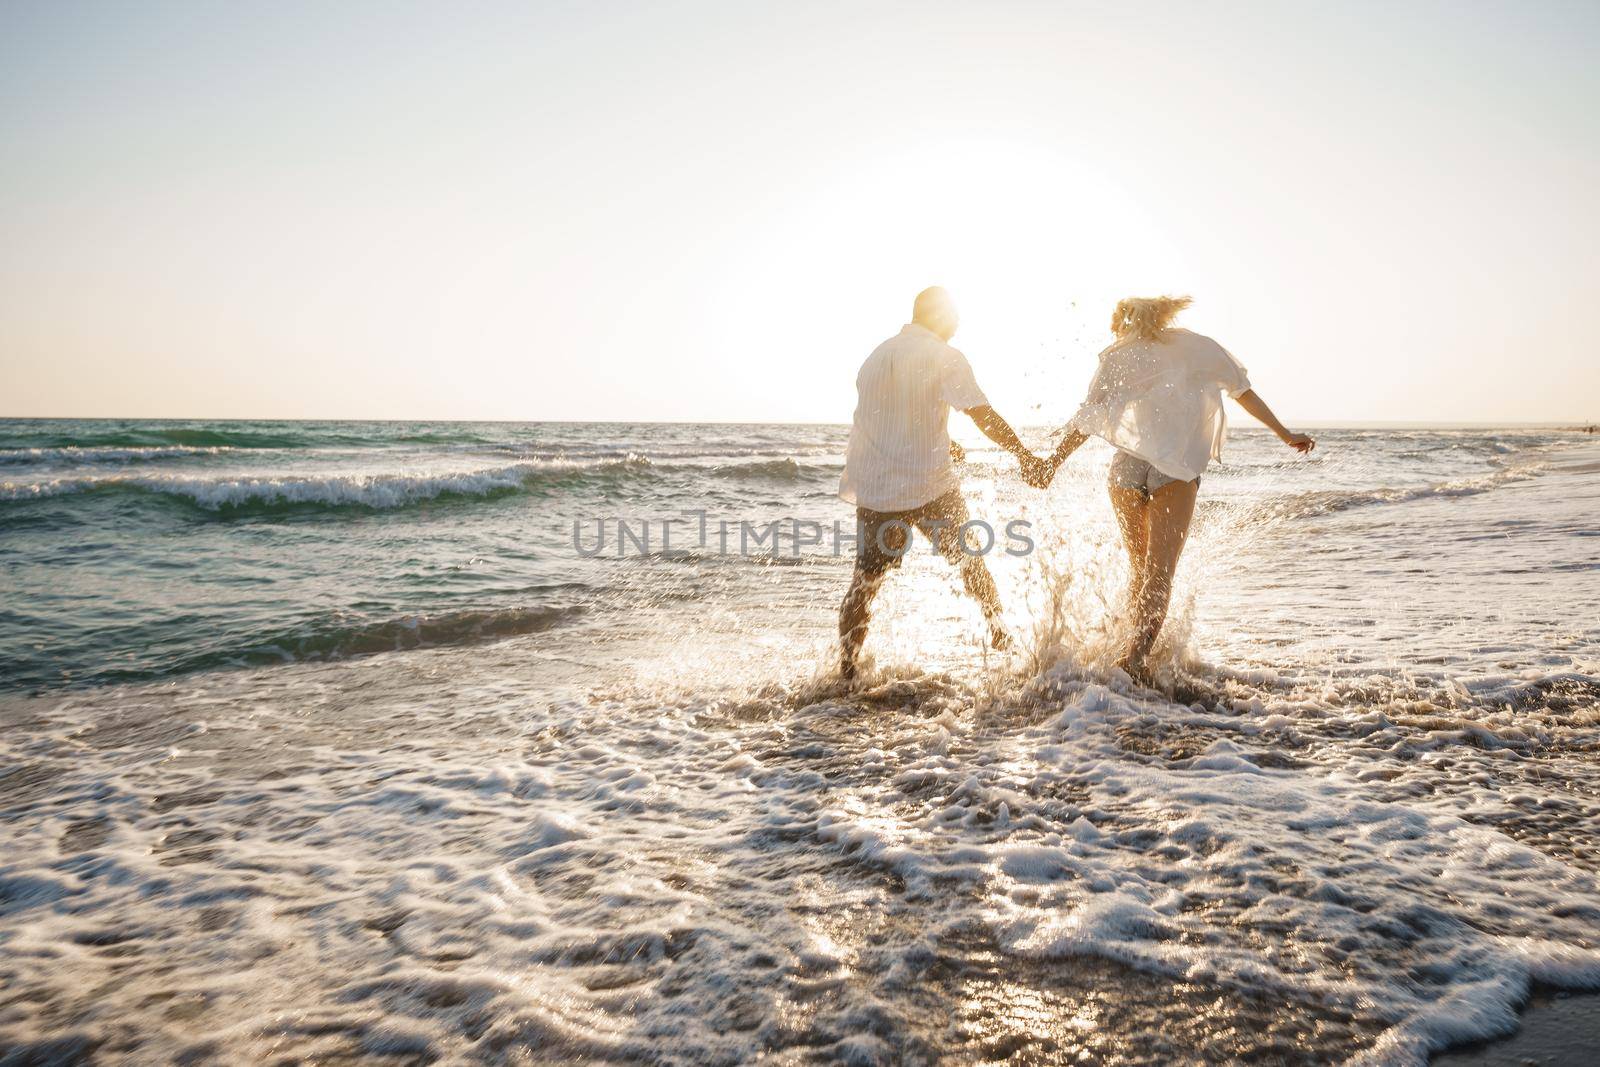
x=854, y=614
x=1132, y=509
x=1168, y=514
x=979, y=583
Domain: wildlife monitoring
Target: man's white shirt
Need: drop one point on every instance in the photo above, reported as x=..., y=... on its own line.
x=899, y=453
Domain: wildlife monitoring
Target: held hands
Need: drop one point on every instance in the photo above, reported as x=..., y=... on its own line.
x=1039, y=473
x=1035, y=471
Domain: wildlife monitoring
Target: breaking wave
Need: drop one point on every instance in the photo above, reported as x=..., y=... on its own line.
x=372, y=491
x=1326, y=502
x=155, y=437
x=227, y=495
x=783, y=470
x=12, y=457
x=338, y=639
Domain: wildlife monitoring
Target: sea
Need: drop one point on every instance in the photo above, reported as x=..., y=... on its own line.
x=331, y=742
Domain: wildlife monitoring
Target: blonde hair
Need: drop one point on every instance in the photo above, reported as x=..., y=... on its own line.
x=1145, y=317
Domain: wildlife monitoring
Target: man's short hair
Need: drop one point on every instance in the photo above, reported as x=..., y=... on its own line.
x=933, y=305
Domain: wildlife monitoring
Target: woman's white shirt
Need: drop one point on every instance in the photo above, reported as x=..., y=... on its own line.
x=1162, y=400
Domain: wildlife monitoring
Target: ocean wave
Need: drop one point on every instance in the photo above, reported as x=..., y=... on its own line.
x=657, y=453
x=782, y=470
x=265, y=435
x=424, y=438
x=161, y=437
x=336, y=640
x=234, y=494
x=512, y=441
x=10, y=457
x=407, y=632
x=375, y=491
x=1329, y=501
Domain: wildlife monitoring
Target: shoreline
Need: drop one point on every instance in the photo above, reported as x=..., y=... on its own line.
x=1556, y=1028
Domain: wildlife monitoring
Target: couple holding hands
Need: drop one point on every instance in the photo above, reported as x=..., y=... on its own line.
x=1156, y=397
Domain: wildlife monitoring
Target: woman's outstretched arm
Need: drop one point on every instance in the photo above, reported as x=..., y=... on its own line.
x=1069, y=444
x=1263, y=414
x=1071, y=438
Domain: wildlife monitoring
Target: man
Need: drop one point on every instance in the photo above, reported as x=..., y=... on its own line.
x=897, y=469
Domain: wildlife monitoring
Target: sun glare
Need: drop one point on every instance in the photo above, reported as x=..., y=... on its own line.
x=1035, y=246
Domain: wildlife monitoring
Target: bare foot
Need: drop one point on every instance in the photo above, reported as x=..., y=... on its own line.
x=1000, y=638
x=1187, y=690
x=1137, y=669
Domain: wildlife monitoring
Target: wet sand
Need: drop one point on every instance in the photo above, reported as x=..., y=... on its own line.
x=1559, y=1029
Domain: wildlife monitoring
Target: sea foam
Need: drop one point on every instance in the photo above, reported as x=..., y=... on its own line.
x=379, y=491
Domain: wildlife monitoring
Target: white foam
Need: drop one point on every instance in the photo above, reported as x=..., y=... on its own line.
x=376, y=490
x=86, y=454
x=430, y=853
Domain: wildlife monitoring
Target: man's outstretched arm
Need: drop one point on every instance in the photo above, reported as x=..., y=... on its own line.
x=998, y=430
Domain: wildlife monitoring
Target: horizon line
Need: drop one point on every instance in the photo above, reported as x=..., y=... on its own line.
x=1320, y=423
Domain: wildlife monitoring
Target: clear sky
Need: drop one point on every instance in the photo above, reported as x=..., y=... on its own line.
x=714, y=211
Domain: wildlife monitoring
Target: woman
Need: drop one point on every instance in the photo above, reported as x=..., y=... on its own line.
x=1157, y=397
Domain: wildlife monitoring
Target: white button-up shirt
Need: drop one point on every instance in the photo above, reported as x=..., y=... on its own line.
x=1162, y=400
x=899, y=454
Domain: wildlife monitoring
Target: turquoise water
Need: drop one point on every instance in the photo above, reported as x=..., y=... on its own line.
x=138, y=550
x=324, y=741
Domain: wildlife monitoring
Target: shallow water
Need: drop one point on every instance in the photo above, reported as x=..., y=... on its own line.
x=622, y=813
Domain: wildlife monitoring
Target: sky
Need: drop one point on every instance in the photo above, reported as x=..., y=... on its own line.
x=709, y=211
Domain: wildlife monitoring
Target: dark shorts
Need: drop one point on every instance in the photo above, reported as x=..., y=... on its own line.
x=884, y=537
